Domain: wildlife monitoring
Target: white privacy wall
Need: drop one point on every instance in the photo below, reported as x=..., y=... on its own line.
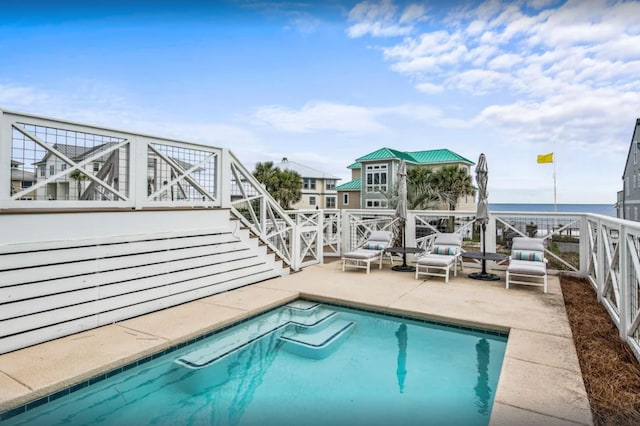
x=61, y=273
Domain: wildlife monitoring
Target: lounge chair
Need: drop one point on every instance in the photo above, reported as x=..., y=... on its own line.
x=527, y=263
x=371, y=250
x=444, y=254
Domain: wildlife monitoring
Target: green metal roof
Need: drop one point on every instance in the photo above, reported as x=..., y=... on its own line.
x=355, y=165
x=438, y=156
x=353, y=185
x=420, y=157
x=385, y=154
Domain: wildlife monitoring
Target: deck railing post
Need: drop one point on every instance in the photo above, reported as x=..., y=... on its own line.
x=584, y=249
x=320, y=236
x=295, y=245
x=345, y=232
x=138, y=172
x=410, y=230
x=5, y=152
x=223, y=186
x=624, y=304
x=490, y=234
x=600, y=259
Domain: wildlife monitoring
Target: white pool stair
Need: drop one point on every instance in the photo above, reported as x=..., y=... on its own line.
x=304, y=328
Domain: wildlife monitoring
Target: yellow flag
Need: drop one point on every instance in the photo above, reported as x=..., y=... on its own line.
x=545, y=158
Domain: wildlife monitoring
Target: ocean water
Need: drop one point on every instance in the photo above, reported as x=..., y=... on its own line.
x=603, y=209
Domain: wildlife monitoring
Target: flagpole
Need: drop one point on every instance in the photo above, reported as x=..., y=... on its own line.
x=555, y=203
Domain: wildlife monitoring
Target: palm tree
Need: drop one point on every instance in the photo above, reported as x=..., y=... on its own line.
x=422, y=194
x=453, y=182
x=288, y=188
x=78, y=176
x=267, y=175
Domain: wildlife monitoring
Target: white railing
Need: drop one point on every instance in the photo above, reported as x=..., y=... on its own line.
x=256, y=209
x=51, y=164
x=60, y=164
x=603, y=249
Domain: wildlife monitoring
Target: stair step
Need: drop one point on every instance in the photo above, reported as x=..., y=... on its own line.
x=237, y=338
x=318, y=342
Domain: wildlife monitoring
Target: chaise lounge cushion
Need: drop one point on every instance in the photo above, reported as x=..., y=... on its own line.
x=449, y=240
x=436, y=260
x=528, y=244
x=526, y=267
x=362, y=254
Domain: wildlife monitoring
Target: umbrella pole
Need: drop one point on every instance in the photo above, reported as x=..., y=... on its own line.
x=484, y=249
x=404, y=242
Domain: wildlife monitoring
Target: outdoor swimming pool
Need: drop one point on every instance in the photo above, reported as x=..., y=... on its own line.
x=305, y=364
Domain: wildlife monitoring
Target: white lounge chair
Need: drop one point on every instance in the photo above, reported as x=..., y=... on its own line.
x=527, y=263
x=444, y=254
x=371, y=250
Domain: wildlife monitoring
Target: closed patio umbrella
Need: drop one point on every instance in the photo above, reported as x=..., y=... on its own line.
x=401, y=212
x=482, y=213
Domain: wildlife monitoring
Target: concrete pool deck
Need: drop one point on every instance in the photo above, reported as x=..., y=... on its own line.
x=540, y=381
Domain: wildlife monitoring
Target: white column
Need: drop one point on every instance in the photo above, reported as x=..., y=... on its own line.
x=5, y=154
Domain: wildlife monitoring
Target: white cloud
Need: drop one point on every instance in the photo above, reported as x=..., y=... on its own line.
x=383, y=19
x=572, y=66
x=429, y=88
x=504, y=61
x=325, y=116
x=413, y=12
x=20, y=97
x=319, y=116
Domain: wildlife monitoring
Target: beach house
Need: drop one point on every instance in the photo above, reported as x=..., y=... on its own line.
x=318, y=187
x=628, y=200
x=374, y=175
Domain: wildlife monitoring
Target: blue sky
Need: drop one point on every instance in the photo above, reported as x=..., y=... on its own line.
x=323, y=83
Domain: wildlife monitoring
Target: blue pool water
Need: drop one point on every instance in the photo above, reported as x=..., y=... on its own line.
x=301, y=364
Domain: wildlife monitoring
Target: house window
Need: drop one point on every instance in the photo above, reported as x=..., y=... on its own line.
x=312, y=201
x=331, y=184
x=376, y=175
x=52, y=169
x=345, y=199
x=42, y=169
x=309, y=183
x=635, y=152
x=63, y=166
x=627, y=190
x=96, y=167
x=26, y=184
x=376, y=204
x=331, y=203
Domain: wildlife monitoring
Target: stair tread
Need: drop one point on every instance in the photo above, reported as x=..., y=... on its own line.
x=235, y=339
x=321, y=337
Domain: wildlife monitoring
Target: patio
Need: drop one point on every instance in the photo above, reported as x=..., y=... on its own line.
x=540, y=381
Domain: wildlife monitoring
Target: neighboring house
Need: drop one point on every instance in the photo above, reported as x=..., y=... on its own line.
x=628, y=200
x=318, y=188
x=21, y=180
x=349, y=192
x=375, y=174
x=66, y=187
x=108, y=168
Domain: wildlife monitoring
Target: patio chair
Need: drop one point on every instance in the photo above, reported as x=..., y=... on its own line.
x=527, y=263
x=445, y=253
x=370, y=251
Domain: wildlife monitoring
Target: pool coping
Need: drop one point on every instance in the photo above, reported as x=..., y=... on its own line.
x=398, y=294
